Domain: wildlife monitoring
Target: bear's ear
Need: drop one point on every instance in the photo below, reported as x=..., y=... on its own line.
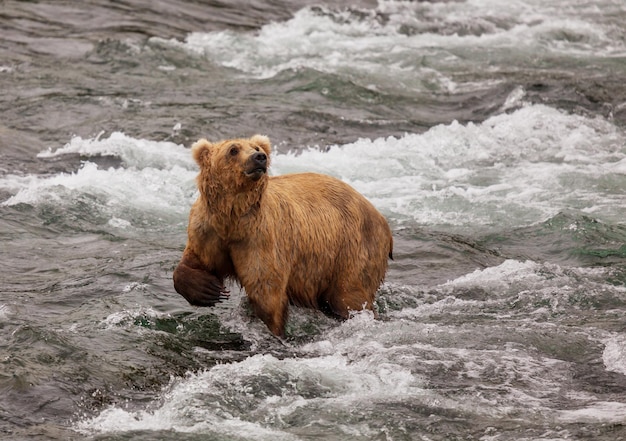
x=201, y=151
x=263, y=142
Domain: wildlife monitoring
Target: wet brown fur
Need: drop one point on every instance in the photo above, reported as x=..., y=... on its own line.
x=306, y=239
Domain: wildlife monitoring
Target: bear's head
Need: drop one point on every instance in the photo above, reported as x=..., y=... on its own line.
x=232, y=167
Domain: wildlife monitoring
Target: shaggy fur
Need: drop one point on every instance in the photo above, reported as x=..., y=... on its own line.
x=308, y=239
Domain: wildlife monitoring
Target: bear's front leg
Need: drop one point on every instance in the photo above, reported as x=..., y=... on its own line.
x=196, y=284
x=271, y=307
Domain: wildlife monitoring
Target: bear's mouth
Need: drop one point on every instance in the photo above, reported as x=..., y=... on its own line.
x=256, y=173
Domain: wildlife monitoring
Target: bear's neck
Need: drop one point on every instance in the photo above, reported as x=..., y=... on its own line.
x=232, y=214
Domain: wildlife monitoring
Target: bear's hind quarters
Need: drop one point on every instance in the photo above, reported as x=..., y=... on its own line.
x=199, y=287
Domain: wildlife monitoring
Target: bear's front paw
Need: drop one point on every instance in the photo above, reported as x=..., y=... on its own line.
x=199, y=287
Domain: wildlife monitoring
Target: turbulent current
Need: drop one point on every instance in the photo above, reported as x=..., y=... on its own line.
x=491, y=135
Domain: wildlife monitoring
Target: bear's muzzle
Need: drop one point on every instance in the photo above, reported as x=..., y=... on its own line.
x=257, y=166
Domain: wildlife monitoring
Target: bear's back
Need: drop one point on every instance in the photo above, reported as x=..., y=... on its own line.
x=313, y=188
x=320, y=202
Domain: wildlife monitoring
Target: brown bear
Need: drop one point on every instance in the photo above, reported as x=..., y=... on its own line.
x=306, y=239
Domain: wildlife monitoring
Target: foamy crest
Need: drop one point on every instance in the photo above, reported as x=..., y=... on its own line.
x=123, y=317
x=500, y=279
x=256, y=398
x=532, y=289
x=415, y=43
x=5, y=312
x=513, y=276
x=173, y=418
x=154, y=182
x=607, y=412
x=137, y=153
x=118, y=193
x=614, y=355
x=362, y=364
x=511, y=170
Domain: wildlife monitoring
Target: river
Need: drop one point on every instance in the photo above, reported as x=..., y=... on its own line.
x=491, y=135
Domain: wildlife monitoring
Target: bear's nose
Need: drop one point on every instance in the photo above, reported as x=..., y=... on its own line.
x=260, y=158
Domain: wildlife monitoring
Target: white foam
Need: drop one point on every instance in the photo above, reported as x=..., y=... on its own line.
x=513, y=276
x=135, y=153
x=365, y=364
x=513, y=169
x=412, y=44
x=619, y=167
x=500, y=278
x=126, y=195
x=5, y=311
x=605, y=412
x=252, y=398
x=173, y=418
x=614, y=354
x=155, y=182
x=119, y=318
x=359, y=364
x=523, y=286
x=135, y=286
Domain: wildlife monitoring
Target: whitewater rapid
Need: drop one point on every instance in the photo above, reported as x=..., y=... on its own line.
x=512, y=170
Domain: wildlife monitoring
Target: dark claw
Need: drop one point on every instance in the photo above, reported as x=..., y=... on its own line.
x=199, y=287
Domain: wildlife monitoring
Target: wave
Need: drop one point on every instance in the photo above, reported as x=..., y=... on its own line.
x=512, y=170
x=403, y=368
x=415, y=45
x=212, y=401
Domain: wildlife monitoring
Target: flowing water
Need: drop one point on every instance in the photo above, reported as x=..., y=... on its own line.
x=491, y=135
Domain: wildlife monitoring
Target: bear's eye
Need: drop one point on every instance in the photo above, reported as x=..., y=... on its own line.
x=233, y=151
